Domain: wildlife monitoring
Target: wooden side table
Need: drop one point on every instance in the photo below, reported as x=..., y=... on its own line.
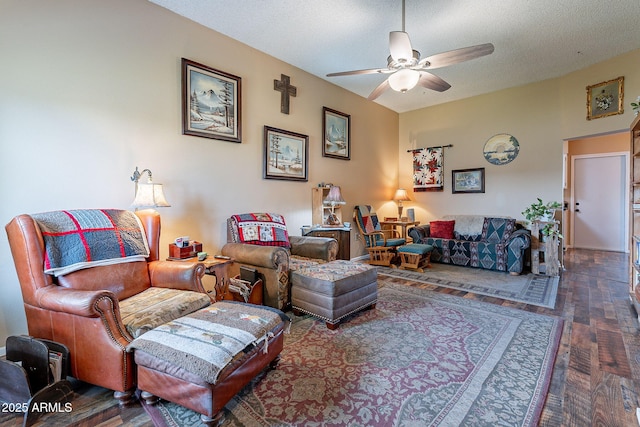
x=342, y=235
x=402, y=224
x=219, y=268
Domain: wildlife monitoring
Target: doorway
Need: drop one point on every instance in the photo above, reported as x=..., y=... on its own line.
x=599, y=205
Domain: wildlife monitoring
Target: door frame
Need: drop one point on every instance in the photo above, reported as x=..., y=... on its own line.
x=625, y=207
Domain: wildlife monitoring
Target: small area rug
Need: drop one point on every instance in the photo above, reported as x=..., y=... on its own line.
x=529, y=288
x=420, y=358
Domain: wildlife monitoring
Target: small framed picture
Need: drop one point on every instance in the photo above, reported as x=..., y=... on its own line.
x=605, y=99
x=336, y=128
x=210, y=103
x=468, y=180
x=285, y=155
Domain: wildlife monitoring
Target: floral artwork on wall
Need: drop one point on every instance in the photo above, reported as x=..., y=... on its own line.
x=605, y=99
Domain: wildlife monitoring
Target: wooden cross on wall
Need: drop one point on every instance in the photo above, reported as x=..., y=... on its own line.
x=284, y=87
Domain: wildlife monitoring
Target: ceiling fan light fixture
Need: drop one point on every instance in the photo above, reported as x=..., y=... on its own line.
x=404, y=80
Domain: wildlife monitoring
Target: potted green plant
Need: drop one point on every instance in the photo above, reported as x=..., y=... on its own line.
x=542, y=211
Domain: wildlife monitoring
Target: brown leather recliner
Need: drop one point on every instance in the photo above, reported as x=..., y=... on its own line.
x=96, y=312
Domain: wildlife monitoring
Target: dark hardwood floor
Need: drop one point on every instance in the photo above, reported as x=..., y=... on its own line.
x=596, y=378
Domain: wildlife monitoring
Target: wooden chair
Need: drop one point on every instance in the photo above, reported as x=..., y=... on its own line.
x=381, y=244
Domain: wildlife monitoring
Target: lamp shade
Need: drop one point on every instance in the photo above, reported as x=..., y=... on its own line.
x=149, y=195
x=334, y=197
x=404, y=80
x=401, y=195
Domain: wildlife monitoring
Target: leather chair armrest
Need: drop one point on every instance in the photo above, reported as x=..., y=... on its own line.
x=272, y=257
x=72, y=301
x=325, y=248
x=177, y=275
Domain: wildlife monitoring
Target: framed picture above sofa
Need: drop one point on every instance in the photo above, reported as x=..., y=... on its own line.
x=210, y=102
x=467, y=180
x=286, y=155
x=336, y=128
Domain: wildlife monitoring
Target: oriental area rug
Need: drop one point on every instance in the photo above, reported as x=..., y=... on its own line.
x=529, y=288
x=419, y=358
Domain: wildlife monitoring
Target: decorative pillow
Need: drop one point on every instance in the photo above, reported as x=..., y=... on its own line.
x=441, y=229
x=263, y=229
x=496, y=230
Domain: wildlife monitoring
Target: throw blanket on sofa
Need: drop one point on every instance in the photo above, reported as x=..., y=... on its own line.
x=77, y=239
x=204, y=342
x=264, y=229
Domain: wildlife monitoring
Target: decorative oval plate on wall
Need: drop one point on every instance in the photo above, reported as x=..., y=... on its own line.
x=500, y=149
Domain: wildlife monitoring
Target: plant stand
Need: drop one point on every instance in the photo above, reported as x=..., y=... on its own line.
x=544, y=249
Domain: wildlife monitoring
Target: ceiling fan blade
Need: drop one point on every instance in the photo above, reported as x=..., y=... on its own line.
x=433, y=82
x=400, y=46
x=355, y=72
x=458, y=55
x=378, y=91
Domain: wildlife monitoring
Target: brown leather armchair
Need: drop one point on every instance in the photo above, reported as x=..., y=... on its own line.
x=274, y=263
x=96, y=312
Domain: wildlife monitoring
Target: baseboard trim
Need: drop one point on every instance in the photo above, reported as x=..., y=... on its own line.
x=360, y=258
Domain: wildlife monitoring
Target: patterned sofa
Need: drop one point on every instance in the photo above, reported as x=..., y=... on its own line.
x=492, y=243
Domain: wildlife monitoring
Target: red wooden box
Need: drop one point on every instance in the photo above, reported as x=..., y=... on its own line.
x=186, y=252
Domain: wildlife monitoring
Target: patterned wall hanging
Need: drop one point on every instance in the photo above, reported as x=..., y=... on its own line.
x=428, y=168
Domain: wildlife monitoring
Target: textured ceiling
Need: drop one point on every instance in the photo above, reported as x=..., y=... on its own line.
x=534, y=39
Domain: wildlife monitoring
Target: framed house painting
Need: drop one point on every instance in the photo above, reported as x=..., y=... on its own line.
x=285, y=155
x=605, y=99
x=468, y=180
x=336, y=128
x=211, y=103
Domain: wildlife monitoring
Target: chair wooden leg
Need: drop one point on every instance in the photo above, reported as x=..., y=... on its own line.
x=416, y=262
x=381, y=256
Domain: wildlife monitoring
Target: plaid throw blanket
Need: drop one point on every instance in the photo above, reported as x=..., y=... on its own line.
x=77, y=239
x=204, y=342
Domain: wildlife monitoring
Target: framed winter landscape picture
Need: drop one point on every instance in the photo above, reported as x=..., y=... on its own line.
x=210, y=103
x=336, y=128
x=285, y=155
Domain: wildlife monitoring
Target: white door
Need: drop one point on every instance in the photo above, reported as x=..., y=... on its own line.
x=600, y=203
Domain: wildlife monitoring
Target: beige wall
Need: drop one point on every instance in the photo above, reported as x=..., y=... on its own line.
x=539, y=115
x=91, y=89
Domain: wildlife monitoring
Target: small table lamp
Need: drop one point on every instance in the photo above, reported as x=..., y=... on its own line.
x=401, y=196
x=333, y=198
x=148, y=195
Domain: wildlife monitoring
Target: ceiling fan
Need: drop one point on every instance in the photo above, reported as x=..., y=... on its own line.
x=406, y=69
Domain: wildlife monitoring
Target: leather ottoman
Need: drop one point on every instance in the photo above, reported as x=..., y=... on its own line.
x=334, y=290
x=202, y=360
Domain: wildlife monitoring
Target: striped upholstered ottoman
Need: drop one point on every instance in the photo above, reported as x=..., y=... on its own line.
x=334, y=290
